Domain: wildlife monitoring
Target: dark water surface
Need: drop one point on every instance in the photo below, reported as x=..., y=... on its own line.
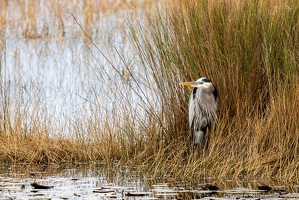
x=96, y=181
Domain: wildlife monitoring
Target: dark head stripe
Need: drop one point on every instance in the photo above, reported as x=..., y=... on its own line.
x=206, y=80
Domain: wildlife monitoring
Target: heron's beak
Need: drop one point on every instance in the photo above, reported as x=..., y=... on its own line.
x=191, y=84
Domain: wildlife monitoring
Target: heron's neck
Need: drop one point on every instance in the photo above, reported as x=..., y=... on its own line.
x=209, y=88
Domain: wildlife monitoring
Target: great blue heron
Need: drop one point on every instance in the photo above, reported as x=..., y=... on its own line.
x=202, y=107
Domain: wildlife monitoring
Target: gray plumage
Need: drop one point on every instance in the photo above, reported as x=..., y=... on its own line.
x=202, y=107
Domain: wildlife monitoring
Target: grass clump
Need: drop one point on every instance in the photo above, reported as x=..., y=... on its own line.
x=249, y=50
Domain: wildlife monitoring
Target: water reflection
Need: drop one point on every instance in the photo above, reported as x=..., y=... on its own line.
x=70, y=182
x=55, y=72
x=96, y=181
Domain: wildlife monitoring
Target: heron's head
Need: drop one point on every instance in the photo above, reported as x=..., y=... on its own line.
x=202, y=82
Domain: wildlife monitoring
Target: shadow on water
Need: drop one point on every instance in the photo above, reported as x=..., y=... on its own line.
x=96, y=181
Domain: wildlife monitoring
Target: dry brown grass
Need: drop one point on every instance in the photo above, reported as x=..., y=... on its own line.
x=249, y=51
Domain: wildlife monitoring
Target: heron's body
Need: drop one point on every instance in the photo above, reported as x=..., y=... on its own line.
x=202, y=107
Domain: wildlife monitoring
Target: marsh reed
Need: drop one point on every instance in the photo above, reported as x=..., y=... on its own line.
x=249, y=50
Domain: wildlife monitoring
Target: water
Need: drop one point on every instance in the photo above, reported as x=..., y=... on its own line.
x=51, y=71
x=96, y=181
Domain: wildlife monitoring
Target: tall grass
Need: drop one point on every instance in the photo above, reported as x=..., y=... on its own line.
x=249, y=50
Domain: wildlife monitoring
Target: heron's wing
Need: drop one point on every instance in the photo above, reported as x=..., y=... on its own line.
x=207, y=101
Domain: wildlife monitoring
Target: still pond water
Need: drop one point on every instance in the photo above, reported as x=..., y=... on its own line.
x=61, y=75
x=96, y=181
